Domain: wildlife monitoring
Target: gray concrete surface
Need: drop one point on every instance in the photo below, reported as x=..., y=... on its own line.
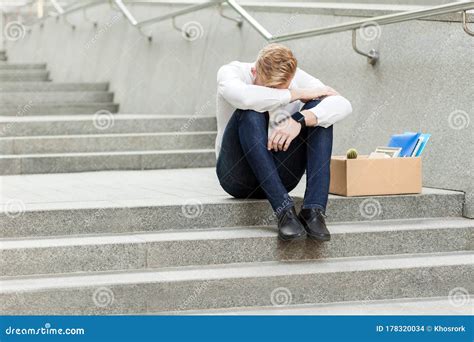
x=57, y=108
x=40, y=97
x=23, y=75
x=48, y=125
x=124, y=201
x=107, y=142
x=402, y=307
x=49, y=86
x=240, y=285
x=212, y=246
x=142, y=159
x=22, y=66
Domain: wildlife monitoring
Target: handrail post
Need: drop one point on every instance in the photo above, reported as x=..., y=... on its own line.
x=238, y=20
x=372, y=56
x=464, y=24
x=126, y=12
x=57, y=6
x=251, y=20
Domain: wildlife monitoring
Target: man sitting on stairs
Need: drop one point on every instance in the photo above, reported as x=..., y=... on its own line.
x=274, y=123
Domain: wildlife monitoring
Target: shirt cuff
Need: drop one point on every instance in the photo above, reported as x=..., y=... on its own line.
x=321, y=115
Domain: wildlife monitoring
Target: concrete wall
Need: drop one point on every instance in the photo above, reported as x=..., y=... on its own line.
x=424, y=80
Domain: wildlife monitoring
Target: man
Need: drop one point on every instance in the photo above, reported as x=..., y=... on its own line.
x=274, y=123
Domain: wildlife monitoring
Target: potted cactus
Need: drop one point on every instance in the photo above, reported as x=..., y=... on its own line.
x=351, y=153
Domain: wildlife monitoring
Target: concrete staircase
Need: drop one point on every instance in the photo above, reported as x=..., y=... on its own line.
x=48, y=127
x=172, y=241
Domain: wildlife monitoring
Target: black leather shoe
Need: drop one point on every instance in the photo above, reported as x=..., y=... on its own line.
x=314, y=224
x=289, y=226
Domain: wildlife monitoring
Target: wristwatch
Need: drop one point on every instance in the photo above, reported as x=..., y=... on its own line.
x=298, y=117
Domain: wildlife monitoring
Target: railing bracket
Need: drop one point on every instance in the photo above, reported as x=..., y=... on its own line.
x=149, y=37
x=372, y=56
x=129, y=16
x=190, y=31
x=464, y=24
x=238, y=20
x=86, y=18
x=176, y=27
x=66, y=20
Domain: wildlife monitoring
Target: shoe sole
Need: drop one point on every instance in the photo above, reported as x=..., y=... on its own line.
x=293, y=238
x=319, y=238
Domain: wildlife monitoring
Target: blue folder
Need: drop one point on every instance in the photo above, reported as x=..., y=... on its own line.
x=424, y=137
x=423, y=144
x=407, y=141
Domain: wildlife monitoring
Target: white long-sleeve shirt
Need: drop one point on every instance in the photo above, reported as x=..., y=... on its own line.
x=236, y=90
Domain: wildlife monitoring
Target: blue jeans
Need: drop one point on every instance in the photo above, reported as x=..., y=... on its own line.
x=246, y=169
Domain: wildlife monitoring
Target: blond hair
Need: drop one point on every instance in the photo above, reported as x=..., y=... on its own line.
x=275, y=65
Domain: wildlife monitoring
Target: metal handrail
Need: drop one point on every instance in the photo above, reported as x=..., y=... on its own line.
x=66, y=11
x=464, y=24
x=139, y=25
x=353, y=26
x=381, y=20
x=186, y=10
x=57, y=6
x=372, y=55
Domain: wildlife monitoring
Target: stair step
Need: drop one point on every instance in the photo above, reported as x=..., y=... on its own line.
x=240, y=285
x=57, y=108
x=212, y=246
x=22, y=66
x=158, y=200
x=99, y=161
x=45, y=97
x=107, y=142
x=49, y=86
x=23, y=75
x=400, y=307
x=121, y=123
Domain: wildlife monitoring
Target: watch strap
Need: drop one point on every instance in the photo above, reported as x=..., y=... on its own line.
x=299, y=117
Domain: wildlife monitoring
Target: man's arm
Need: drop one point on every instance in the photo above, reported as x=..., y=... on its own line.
x=330, y=110
x=241, y=95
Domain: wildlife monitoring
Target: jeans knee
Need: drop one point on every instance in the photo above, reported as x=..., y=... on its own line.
x=238, y=190
x=323, y=131
x=253, y=128
x=252, y=118
x=321, y=140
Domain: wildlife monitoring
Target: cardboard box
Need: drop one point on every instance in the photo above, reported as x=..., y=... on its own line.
x=363, y=176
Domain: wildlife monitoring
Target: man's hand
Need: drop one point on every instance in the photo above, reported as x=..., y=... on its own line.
x=283, y=135
x=308, y=94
